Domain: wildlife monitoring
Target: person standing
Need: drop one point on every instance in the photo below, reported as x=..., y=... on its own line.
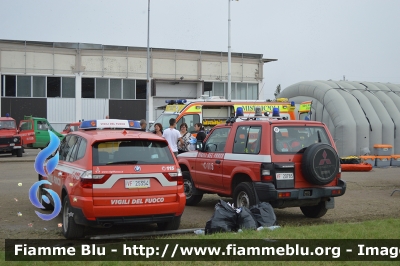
x=201, y=135
x=143, y=124
x=184, y=147
x=158, y=129
x=173, y=136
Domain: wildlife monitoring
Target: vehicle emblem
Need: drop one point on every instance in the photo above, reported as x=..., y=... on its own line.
x=137, y=168
x=97, y=170
x=324, y=160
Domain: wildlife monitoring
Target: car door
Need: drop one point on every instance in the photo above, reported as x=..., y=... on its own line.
x=209, y=160
x=67, y=157
x=27, y=132
x=42, y=133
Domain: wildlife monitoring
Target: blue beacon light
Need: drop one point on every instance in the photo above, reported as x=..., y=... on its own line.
x=275, y=111
x=239, y=111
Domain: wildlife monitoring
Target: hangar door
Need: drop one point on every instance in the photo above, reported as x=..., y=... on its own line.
x=172, y=91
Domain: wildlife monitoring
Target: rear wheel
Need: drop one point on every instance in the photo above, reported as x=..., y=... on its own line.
x=316, y=211
x=191, y=200
x=70, y=229
x=244, y=195
x=172, y=225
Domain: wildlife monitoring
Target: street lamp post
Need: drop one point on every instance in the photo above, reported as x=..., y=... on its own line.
x=148, y=65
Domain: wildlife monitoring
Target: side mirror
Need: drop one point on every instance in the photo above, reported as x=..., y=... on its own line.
x=199, y=145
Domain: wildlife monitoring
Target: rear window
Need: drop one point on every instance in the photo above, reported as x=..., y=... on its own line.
x=132, y=152
x=295, y=139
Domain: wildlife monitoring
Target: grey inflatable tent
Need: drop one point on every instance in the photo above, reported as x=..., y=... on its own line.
x=358, y=114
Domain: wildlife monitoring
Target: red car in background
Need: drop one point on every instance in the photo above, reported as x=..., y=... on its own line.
x=71, y=127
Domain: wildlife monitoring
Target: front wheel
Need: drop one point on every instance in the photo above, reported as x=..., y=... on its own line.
x=191, y=200
x=19, y=152
x=70, y=229
x=315, y=211
x=244, y=195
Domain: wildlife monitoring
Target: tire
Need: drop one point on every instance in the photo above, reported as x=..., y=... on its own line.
x=70, y=229
x=19, y=152
x=320, y=164
x=316, y=211
x=172, y=225
x=244, y=195
x=191, y=200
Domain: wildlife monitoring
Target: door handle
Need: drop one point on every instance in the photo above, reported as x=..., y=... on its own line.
x=217, y=161
x=38, y=132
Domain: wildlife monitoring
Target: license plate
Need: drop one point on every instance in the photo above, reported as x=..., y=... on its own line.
x=284, y=176
x=137, y=183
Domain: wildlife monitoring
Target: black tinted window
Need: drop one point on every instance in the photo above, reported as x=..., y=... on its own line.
x=294, y=139
x=132, y=152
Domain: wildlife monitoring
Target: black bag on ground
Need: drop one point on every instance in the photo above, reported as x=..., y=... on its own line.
x=246, y=220
x=264, y=214
x=224, y=219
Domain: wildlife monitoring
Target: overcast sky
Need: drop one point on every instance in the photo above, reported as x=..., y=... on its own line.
x=312, y=39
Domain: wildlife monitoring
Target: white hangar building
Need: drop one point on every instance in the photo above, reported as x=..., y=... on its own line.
x=358, y=114
x=68, y=82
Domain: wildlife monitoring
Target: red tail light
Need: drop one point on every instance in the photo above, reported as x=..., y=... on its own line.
x=175, y=177
x=284, y=195
x=266, y=175
x=87, y=179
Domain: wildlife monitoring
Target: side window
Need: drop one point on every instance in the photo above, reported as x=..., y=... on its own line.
x=81, y=149
x=217, y=140
x=42, y=125
x=254, y=140
x=241, y=139
x=190, y=120
x=63, y=148
x=70, y=146
x=25, y=125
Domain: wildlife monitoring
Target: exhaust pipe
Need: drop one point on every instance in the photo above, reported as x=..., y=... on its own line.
x=107, y=225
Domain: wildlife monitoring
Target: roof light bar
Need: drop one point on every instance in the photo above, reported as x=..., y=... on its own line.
x=110, y=123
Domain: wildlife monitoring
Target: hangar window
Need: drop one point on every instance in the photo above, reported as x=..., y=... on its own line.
x=115, y=89
x=87, y=87
x=129, y=89
x=53, y=87
x=68, y=87
x=141, y=89
x=239, y=91
x=10, y=86
x=39, y=86
x=102, y=88
x=24, y=86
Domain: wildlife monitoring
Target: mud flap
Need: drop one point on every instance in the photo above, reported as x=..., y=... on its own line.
x=330, y=203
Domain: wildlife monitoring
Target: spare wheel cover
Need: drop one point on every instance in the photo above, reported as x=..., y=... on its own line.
x=322, y=162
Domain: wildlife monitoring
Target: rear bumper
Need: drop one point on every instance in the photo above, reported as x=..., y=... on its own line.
x=298, y=197
x=87, y=214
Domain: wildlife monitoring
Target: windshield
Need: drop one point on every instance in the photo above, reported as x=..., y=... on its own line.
x=7, y=124
x=163, y=119
x=132, y=152
x=295, y=139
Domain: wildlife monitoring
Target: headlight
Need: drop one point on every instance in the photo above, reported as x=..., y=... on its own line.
x=16, y=140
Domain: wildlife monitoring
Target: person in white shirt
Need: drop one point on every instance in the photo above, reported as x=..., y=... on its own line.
x=172, y=135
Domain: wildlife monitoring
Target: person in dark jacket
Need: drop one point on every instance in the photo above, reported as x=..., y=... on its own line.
x=201, y=135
